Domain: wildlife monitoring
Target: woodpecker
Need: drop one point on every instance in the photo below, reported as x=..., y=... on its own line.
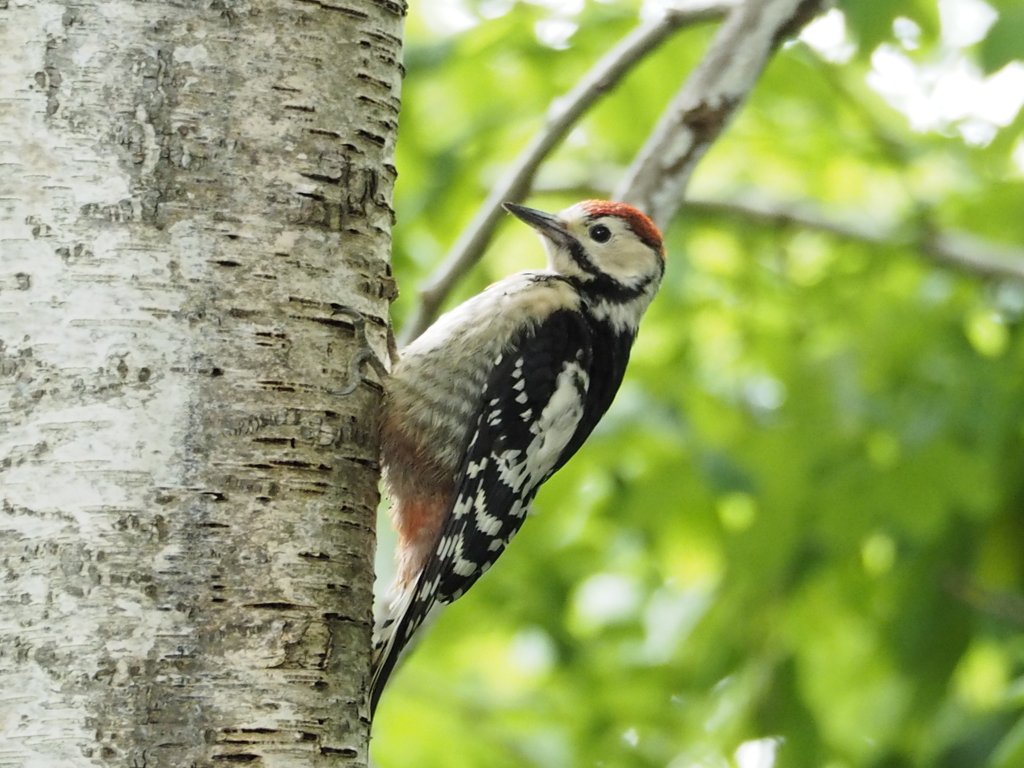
x=496, y=396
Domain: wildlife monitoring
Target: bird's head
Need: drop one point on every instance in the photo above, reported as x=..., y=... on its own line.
x=609, y=248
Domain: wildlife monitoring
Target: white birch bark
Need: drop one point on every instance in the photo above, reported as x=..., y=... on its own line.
x=187, y=191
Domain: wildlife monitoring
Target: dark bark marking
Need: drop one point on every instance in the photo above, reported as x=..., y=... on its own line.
x=388, y=40
x=343, y=751
x=288, y=441
x=332, y=322
x=705, y=123
x=322, y=132
x=241, y=757
x=374, y=81
x=304, y=465
x=321, y=177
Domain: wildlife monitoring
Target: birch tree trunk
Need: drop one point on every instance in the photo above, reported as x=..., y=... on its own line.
x=187, y=193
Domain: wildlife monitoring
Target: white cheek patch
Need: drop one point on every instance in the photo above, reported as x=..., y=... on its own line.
x=625, y=258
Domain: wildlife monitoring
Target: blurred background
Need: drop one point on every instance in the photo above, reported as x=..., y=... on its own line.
x=797, y=538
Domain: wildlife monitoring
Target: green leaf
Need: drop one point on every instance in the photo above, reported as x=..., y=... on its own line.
x=870, y=21
x=1004, y=41
x=809, y=484
x=1010, y=752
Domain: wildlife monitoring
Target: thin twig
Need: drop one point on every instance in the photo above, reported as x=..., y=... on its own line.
x=958, y=250
x=747, y=206
x=1004, y=605
x=562, y=115
x=657, y=180
x=971, y=254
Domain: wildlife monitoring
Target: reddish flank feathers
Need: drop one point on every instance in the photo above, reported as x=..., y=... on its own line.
x=641, y=225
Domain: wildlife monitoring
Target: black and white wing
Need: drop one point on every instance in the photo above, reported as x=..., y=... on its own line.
x=537, y=410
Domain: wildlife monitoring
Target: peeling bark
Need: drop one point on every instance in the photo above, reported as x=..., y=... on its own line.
x=187, y=195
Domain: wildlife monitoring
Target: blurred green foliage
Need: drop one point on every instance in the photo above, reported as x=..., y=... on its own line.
x=799, y=532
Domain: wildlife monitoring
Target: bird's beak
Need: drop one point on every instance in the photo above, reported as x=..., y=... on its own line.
x=546, y=224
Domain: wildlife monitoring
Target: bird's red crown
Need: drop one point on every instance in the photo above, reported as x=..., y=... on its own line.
x=638, y=222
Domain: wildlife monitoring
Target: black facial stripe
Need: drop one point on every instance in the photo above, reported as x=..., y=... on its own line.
x=579, y=255
x=605, y=287
x=602, y=284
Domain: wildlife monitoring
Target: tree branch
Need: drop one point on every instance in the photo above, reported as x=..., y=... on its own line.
x=562, y=115
x=656, y=182
x=971, y=254
x=779, y=215
x=958, y=250
x=1004, y=605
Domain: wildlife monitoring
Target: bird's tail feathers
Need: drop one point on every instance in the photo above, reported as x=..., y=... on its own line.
x=406, y=610
x=385, y=635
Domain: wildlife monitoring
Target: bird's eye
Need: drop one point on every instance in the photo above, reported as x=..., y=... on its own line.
x=599, y=233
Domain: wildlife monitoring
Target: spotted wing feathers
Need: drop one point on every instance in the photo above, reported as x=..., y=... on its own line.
x=534, y=409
